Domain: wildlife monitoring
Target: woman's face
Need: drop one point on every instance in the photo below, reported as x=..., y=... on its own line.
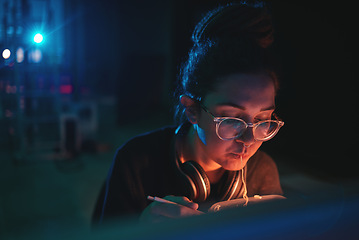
x=250, y=97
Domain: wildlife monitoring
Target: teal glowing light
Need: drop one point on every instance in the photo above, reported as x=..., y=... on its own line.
x=38, y=38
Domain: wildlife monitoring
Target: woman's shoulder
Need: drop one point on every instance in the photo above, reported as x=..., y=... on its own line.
x=262, y=175
x=152, y=142
x=261, y=160
x=261, y=155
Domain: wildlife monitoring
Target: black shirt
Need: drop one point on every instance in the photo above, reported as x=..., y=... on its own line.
x=145, y=166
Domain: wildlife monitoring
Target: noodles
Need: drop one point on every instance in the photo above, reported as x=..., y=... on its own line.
x=245, y=197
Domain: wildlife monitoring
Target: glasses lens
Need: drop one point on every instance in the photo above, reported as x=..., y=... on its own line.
x=231, y=128
x=266, y=130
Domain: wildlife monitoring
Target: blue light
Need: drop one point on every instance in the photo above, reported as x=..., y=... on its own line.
x=38, y=38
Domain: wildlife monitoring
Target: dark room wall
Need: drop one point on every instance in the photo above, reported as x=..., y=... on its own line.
x=133, y=49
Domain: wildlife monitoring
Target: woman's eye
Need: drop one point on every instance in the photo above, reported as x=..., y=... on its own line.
x=258, y=120
x=264, y=118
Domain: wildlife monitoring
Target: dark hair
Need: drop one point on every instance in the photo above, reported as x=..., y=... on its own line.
x=235, y=38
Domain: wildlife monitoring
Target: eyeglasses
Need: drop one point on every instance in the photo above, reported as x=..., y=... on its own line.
x=229, y=128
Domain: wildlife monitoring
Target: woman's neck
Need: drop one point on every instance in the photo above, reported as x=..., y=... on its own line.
x=192, y=150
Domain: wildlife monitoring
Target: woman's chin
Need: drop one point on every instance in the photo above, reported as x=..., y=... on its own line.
x=234, y=165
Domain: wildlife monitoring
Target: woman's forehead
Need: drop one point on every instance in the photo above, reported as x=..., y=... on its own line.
x=245, y=90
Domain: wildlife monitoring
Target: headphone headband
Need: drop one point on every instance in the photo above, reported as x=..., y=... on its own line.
x=195, y=178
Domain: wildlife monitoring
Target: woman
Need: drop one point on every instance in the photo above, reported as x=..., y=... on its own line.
x=226, y=103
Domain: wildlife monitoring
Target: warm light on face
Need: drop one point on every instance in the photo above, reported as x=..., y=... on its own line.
x=249, y=97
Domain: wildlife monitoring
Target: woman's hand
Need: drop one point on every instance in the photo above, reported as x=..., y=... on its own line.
x=157, y=211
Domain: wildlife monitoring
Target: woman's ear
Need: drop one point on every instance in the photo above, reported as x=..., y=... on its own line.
x=191, y=110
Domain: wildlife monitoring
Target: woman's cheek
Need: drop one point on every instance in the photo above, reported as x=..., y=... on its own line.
x=253, y=149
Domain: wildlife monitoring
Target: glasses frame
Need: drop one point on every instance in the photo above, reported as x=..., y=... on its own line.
x=219, y=120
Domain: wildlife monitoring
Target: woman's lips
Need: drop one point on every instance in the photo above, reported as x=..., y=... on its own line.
x=236, y=155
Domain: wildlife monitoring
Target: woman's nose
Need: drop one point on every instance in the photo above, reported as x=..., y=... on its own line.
x=247, y=138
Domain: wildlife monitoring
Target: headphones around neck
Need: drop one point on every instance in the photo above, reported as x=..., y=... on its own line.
x=196, y=181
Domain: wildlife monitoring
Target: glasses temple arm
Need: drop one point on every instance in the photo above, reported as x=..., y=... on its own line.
x=206, y=110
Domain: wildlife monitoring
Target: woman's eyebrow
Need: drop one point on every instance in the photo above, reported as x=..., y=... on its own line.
x=272, y=107
x=268, y=108
x=231, y=105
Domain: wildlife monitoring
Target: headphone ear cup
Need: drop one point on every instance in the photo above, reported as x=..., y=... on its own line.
x=231, y=186
x=200, y=179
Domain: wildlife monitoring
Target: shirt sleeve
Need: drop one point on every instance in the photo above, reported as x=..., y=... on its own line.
x=139, y=168
x=122, y=193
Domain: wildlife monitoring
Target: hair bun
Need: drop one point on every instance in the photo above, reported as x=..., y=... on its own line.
x=237, y=21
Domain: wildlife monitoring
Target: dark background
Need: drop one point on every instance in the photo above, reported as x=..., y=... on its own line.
x=317, y=101
x=131, y=51
x=113, y=77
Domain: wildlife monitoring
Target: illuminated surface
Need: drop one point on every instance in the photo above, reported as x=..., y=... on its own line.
x=35, y=56
x=6, y=53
